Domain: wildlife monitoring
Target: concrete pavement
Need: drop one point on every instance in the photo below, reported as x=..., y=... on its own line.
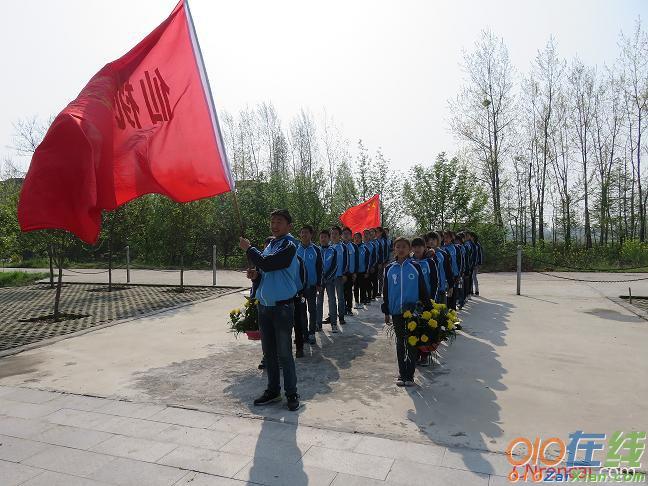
x=55, y=439
x=559, y=358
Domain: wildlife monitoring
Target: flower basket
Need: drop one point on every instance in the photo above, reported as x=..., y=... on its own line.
x=246, y=320
x=428, y=326
x=253, y=335
x=430, y=348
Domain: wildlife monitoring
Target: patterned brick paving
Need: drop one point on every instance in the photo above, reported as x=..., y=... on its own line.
x=101, y=307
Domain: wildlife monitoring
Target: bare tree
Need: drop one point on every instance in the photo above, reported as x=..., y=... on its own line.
x=484, y=110
x=581, y=85
x=634, y=64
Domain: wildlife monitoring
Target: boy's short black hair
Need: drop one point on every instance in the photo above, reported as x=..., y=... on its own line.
x=309, y=228
x=346, y=228
x=367, y=230
x=339, y=230
x=432, y=235
x=402, y=239
x=357, y=233
x=283, y=213
x=325, y=232
x=418, y=241
x=448, y=232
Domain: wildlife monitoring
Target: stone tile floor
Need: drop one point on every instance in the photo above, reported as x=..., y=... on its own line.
x=49, y=439
x=101, y=307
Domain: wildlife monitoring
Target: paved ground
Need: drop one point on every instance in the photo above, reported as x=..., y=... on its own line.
x=559, y=358
x=225, y=278
x=99, y=306
x=53, y=439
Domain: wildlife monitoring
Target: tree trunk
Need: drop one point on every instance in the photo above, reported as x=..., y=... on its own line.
x=50, y=254
x=59, y=284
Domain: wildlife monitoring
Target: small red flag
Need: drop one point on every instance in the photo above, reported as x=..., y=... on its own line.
x=145, y=123
x=363, y=216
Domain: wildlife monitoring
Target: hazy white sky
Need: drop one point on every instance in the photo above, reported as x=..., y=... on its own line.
x=383, y=69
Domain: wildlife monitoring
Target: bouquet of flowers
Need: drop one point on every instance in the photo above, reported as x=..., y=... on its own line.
x=426, y=329
x=246, y=320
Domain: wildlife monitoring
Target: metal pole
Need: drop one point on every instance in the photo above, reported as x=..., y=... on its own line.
x=127, y=263
x=181, y=272
x=630, y=295
x=214, y=265
x=519, y=268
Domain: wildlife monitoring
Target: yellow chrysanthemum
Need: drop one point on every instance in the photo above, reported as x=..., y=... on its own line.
x=233, y=312
x=433, y=324
x=436, y=306
x=426, y=315
x=412, y=340
x=247, y=304
x=407, y=314
x=411, y=325
x=451, y=326
x=435, y=313
x=424, y=338
x=442, y=306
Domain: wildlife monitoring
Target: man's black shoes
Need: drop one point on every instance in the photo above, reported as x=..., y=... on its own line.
x=267, y=398
x=293, y=402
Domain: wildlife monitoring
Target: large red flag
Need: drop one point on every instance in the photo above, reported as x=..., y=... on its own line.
x=145, y=123
x=363, y=216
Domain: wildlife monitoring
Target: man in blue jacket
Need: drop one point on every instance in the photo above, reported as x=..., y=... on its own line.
x=352, y=272
x=340, y=273
x=329, y=257
x=312, y=257
x=276, y=274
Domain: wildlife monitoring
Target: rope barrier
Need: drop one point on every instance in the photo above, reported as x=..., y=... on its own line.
x=592, y=281
x=621, y=269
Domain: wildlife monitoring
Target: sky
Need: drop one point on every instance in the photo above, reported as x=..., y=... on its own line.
x=384, y=70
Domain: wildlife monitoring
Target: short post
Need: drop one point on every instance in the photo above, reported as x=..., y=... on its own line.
x=181, y=273
x=127, y=263
x=519, y=268
x=214, y=265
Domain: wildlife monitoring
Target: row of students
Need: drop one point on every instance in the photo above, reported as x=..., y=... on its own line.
x=290, y=278
x=440, y=267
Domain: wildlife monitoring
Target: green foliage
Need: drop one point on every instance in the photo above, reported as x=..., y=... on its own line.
x=444, y=195
x=16, y=278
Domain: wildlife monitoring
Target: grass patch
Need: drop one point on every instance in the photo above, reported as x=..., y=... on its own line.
x=15, y=279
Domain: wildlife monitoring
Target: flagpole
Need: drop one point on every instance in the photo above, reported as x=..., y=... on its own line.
x=210, y=101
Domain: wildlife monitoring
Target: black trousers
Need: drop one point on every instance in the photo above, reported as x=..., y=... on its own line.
x=405, y=354
x=348, y=292
x=468, y=282
x=300, y=321
x=360, y=289
x=452, y=300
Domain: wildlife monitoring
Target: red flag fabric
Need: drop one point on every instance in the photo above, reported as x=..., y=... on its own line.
x=363, y=216
x=145, y=123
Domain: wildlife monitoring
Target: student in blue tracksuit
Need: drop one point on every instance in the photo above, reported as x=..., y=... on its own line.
x=329, y=257
x=312, y=257
x=462, y=258
x=380, y=258
x=277, y=271
x=442, y=258
x=428, y=266
x=403, y=287
x=360, y=288
x=341, y=272
x=300, y=322
x=351, y=273
x=372, y=276
x=449, y=246
x=469, y=263
x=430, y=271
x=479, y=261
x=389, y=249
